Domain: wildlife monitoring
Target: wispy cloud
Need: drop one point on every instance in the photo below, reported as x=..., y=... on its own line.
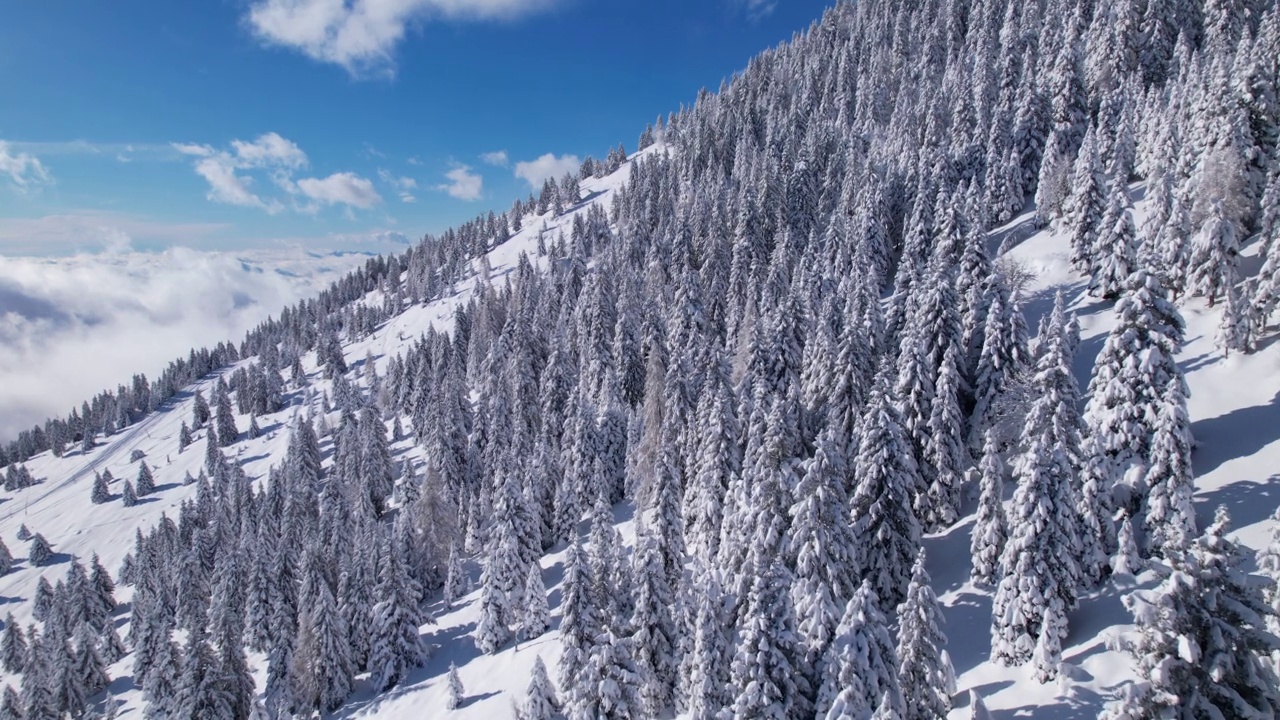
x=463, y=183
x=90, y=230
x=23, y=171
x=535, y=172
x=361, y=36
x=403, y=186
x=497, y=158
x=758, y=9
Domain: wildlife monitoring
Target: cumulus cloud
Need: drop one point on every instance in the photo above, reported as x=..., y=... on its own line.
x=497, y=158
x=23, y=171
x=70, y=327
x=535, y=172
x=342, y=188
x=361, y=35
x=463, y=184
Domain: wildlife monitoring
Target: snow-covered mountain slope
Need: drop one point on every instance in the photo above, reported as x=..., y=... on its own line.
x=59, y=507
x=1233, y=406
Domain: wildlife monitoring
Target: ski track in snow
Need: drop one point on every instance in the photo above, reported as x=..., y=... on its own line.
x=1234, y=406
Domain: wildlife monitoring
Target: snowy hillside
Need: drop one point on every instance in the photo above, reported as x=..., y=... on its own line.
x=858, y=350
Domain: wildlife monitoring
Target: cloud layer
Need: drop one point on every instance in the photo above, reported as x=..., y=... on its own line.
x=72, y=327
x=361, y=35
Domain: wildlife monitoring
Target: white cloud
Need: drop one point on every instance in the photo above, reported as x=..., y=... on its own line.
x=225, y=186
x=463, y=184
x=24, y=171
x=133, y=312
x=497, y=158
x=269, y=150
x=757, y=9
x=342, y=188
x=362, y=35
x=404, y=186
x=535, y=172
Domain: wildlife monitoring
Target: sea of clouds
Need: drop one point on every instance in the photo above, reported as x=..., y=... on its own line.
x=73, y=326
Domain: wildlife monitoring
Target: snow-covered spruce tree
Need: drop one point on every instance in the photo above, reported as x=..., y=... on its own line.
x=198, y=693
x=1200, y=638
x=1126, y=561
x=457, y=694
x=128, y=497
x=617, y=690
x=654, y=636
x=90, y=668
x=718, y=461
x=396, y=647
x=1041, y=561
x=499, y=578
x=924, y=670
x=456, y=581
x=1170, y=520
x=1047, y=656
x=540, y=699
x=39, y=699
x=146, y=483
x=945, y=451
x=883, y=519
x=10, y=704
x=580, y=623
x=1236, y=327
x=1084, y=208
x=706, y=671
x=1115, y=252
x=990, y=528
x=765, y=672
x=1215, y=256
x=101, y=493
x=225, y=420
x=1132, y=370
x=40, y=552
x=1268, y=559
x=199, y=410
x=535, y=616
x=861, y=661
x=1097, y=530
x=822, y=545
x=1003, y=357
x=13, y=647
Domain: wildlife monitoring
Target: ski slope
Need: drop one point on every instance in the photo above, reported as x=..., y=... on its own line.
x=1234, y=405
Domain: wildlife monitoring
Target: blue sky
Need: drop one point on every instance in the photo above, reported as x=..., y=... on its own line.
x=242, y=123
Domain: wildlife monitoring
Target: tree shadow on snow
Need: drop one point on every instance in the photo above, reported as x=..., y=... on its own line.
x=1237, y=434
x=1248, y=502
x=1081, y=704
x=968, y=630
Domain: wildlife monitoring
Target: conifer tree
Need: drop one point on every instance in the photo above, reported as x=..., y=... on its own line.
x=540, y=699
x=225, y=419
x=990, y=528
x=396, y=647
x=39, y=700
x=765, y=672
x=10, y=704
x=881, y=512
x=535, y=616
x=945, y=451
x=101, y=493
x=1047, y=656
x=457, y=694
x=13, y=647
x=1096, y=509
x=924, y=670
x=184, y=437
x=861, y=658
x=579, y=617
x=655, y=639
x=456, y=582
x=1200, y=637
x=705, y=690
x=1115, y=251
x=146, y=482
x=40, y=553
x=1170, y=521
